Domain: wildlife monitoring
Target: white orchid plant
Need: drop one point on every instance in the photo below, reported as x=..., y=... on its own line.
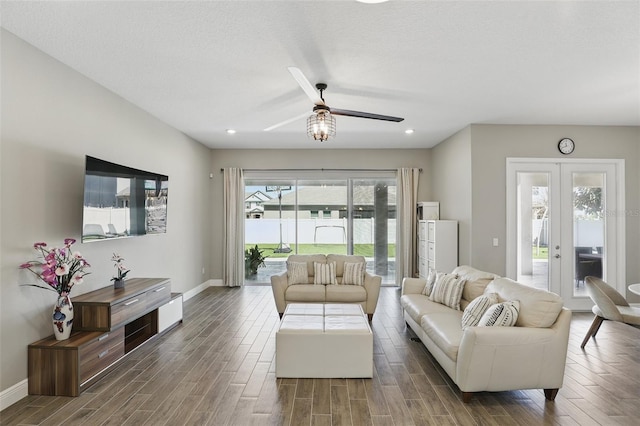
x=122, y=271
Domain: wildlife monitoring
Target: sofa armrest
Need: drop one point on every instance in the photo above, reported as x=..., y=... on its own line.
x=372, y=285
x=413, y=285
x=506, y=358
x=279, y=284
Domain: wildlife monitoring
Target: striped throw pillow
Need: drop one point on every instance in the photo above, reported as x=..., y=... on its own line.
x=431, y=279
x=503, y=314
x=478, y=306
x=297, y=273
x=324, y=273
x=447, y=290
x=353, y=273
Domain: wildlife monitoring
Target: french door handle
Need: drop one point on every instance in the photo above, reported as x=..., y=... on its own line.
x=557, y=256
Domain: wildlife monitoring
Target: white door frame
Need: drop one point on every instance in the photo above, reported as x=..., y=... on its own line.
x=616, y=276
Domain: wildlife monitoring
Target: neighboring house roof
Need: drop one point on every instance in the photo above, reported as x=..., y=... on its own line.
x=257, y=196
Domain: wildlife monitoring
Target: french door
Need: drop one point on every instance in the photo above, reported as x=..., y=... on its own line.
x=563, y=225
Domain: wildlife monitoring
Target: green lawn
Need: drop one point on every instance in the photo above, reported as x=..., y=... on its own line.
x=540, y=253
x=359, y=249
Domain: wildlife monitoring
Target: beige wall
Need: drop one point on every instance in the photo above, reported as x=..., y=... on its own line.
x=451, y=182
x=491, y=145
x=307, y=159
x=51, y=118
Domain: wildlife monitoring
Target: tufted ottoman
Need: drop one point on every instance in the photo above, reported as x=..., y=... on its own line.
x=316, y=340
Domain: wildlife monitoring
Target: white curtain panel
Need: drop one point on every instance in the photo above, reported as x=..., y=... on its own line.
x=233, y=254
x=407, y=225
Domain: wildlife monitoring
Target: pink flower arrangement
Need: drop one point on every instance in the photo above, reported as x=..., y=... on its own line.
x=60, y=268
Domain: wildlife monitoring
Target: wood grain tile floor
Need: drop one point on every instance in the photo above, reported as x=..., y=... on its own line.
x=217, y=368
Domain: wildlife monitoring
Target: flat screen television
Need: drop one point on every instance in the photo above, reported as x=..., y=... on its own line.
x=121, y=202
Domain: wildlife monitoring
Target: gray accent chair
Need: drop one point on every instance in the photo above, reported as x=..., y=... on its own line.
x=609, y=305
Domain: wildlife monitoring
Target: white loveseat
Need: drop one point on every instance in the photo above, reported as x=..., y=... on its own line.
x=530, y=355
x=366, y=295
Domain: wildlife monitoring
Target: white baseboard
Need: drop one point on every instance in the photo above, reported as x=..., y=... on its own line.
x=14, y=394
x=210, y=283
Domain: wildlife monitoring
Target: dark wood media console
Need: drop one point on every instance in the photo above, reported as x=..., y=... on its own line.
x=108, y=324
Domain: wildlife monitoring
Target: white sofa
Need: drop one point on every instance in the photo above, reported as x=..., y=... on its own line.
x=530, y=355
x=366, y=295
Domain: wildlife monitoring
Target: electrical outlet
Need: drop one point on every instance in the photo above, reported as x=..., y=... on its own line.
x=495, y=242
x=203, y=270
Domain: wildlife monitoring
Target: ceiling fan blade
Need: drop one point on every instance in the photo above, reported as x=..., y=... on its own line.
x=308, y=88
x=285, y=122
x=360, y=114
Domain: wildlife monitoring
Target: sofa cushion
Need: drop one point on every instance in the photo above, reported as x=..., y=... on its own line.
x=477, y=281
x=346, y=293
x=324, y=273
x=447, y=290
x=478, y=306
x=305, y=293
x=353, y=273
x=503, y=314
x=309, y=258
x=297, y=273
x=443, y=328
x=417, y=305
x=341, y=259
x=538, y=308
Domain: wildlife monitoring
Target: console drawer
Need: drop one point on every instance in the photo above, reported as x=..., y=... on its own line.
x=128, y=309
x=99, y=354
x=158, y=296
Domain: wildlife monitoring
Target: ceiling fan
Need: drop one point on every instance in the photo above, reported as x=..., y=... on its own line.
x=321, y=124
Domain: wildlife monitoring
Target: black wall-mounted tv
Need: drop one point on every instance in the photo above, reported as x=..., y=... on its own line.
x=121, y=202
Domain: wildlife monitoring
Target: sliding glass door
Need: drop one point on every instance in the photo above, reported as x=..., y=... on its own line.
x=346, y=215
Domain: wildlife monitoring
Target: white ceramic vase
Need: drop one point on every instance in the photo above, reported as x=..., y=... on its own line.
x=62, y=317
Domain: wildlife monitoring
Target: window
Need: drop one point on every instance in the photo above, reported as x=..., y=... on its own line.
x=337, y=215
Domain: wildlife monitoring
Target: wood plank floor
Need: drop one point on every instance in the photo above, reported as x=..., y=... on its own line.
x=218, y=369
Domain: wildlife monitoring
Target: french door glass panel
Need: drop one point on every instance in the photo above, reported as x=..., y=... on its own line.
x=324, y=216
x=533, y=213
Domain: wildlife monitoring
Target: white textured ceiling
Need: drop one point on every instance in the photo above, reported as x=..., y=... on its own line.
x=206, y=66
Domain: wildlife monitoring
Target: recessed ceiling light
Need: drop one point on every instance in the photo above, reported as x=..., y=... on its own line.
x=231, y=131
x=409, y=131
x=371, y=1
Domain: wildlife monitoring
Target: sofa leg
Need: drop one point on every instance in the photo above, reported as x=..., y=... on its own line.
x=595, y=326
x=281, y=314
x=466, y=397
x=550, y=394
x=370, y=317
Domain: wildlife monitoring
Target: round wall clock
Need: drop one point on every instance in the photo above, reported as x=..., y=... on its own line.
x=566, y=146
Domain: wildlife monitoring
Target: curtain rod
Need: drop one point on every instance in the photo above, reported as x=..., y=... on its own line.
x=319, y=170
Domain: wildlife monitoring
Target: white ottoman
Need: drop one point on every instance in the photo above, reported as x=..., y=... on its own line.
x=324, y=341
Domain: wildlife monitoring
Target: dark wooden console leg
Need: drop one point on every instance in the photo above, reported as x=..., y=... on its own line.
x=370, y=317
x=466, y=397
x=550, y=394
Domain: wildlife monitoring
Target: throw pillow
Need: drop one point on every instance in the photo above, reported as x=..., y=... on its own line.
x=324, y=273
x=431, y=279
x=503, y=314
x=297, y=273
x=353, y=273
x=478, y=306
x=447, y=290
